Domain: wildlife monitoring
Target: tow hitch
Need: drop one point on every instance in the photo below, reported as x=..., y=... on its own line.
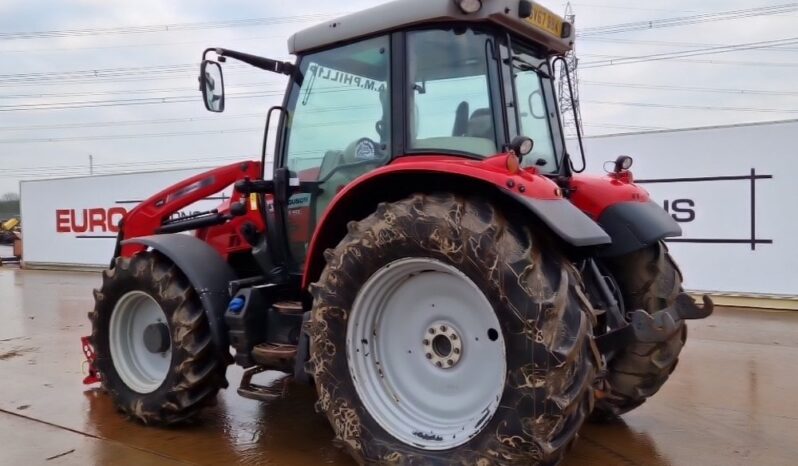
x=657, y=327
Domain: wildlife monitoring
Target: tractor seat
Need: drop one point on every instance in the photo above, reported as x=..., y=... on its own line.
x=480, y=125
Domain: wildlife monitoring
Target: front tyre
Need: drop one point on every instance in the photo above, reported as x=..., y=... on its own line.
x=443, y=334
x=152, y=341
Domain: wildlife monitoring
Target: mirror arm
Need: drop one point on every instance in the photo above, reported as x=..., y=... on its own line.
x=263, y=63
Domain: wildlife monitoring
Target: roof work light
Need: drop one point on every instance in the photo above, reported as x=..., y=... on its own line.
x=469, y=6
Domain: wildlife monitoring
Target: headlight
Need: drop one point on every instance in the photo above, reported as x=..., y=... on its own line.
x=469, y=6
x=521, y=146
x=623, y=163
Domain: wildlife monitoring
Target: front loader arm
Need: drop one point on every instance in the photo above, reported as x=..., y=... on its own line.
x=149, y=217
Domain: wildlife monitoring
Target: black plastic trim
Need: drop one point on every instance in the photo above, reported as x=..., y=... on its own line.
x=636, y=225
x=566, y=221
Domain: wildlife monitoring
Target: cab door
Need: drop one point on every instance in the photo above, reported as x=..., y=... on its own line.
x=337, y=128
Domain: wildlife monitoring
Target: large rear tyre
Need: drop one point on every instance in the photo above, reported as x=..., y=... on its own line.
x=649, y=280
x=152, y=341
x=441, y=333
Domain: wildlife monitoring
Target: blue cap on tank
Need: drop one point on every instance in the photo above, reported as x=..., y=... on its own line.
x=236, y=304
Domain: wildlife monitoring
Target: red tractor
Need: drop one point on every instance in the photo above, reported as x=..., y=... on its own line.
x=425, y=252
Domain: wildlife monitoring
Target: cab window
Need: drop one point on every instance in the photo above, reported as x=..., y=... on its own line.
x=534, y=113
x=340, y=115
x=450, y=106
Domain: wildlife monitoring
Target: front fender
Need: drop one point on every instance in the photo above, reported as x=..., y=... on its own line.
x=208, y=273
x=537, y=195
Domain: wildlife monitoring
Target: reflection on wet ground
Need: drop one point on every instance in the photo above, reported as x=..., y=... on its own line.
x=730, y=401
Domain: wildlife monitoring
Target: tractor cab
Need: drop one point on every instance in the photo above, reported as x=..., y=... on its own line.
x=460, y=79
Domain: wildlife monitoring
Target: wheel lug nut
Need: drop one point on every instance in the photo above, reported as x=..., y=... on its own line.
x=457, y=351
x=429, y=355
x=426, y=342
x=439, y=364
x=432, y=331
x=453, y=337
x=450, y=362
x=443, y=328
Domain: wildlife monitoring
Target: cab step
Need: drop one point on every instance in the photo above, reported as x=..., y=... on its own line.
x=289, y=307
x=276, y=389
x=275, y=356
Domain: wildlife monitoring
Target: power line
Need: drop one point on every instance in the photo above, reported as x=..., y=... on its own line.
x=691, y=53
x=103, y=124
x=707, y=62
x=122, y=165
x=125, y=102
x=694, y=107
x=690, y=88
x=163, y=27
x=129, y=136
x=688, y=20
x=620, y=126
x=136, y=46
x=41, y=95
x=662, y=43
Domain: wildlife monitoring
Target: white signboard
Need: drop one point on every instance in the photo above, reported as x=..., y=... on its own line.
x=732, y=192
x=72, y=222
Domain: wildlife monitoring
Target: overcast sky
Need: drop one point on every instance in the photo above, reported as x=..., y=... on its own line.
x=36, y=142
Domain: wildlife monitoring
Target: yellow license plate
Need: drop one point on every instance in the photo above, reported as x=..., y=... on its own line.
x=546, y=20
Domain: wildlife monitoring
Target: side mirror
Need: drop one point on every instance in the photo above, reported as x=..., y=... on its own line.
x=212, y=86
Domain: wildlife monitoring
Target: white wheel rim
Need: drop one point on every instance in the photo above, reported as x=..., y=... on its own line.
x=432, y=402
x=140, y=369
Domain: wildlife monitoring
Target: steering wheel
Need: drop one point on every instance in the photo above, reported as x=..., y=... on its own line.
x=367, y=152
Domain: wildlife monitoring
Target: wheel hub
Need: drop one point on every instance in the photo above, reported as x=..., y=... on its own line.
x=156, y=338
x=140, y=342
x=442, y=345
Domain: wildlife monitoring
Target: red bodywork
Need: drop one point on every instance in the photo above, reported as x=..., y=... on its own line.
x=591, y=194
x=148, y=217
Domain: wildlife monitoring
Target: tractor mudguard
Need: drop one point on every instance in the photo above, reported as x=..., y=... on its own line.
x=636, y=225
x=535, y=194
x=208, y=273
x=566, y=221
x=624, y=210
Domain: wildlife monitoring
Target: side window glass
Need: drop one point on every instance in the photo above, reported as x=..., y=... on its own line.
x=451, y=105
x=339, y=128
x=534, y=119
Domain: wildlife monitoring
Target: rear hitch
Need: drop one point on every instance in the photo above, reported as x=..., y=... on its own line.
x=657, y=327
x=88, y=352
x=662, y=325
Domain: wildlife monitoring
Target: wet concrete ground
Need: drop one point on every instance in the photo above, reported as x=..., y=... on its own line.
x=732, y=400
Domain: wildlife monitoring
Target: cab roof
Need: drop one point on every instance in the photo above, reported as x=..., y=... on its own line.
x=400, y=14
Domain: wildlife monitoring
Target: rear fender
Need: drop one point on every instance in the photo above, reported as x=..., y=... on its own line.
x=208, y=273
x=535, y=195
x=624, y=210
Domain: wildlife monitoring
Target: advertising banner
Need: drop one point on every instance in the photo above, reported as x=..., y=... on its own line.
x=730, y=190
x=73, y=222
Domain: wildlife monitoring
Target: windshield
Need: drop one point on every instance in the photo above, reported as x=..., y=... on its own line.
x=450, y=104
